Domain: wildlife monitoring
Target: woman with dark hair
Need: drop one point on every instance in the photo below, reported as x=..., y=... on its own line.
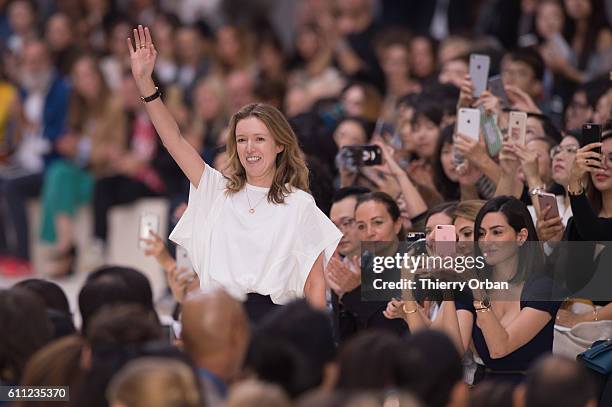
x=590, y=194
x=262, y=210
x=515, y=327
x=26, y=328
x=378, y=222
x=457, y=177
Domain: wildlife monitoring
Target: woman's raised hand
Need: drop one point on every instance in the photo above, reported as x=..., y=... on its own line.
x=142, y=57
x=586, y=161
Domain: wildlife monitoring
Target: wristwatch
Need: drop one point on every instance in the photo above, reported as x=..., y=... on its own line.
x=483, y=305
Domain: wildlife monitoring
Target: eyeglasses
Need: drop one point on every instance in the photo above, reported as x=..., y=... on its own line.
x=346, y=223
x=566, y=149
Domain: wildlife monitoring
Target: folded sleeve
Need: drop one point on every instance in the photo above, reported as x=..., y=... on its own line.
x=201, y=199
x=316, y=234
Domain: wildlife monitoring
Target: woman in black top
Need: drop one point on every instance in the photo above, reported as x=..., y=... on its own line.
x=508, y=334
x=591, y=222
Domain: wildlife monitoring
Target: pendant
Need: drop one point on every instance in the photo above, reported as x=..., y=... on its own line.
x=252, y=210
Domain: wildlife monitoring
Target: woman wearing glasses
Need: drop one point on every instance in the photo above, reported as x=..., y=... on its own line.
x=562, y=156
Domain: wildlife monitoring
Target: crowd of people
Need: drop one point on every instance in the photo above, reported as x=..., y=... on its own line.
x=243, y=116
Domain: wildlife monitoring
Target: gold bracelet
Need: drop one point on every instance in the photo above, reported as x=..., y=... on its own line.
x=407, y=312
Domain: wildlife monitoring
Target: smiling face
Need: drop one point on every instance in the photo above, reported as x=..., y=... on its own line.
x=603, y=182
x=257, y=150
x=374, y=223
x=496, y=237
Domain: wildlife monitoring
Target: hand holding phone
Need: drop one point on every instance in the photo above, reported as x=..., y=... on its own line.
x=479, y=72
x=545, y=200
x=149, y=222
x=517, y=128
x=591, y=133
x=445, y=238
x=468, y=123
x=362, y=156
x=182, y=259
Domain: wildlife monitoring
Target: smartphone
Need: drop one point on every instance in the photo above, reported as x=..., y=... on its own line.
x=545, y=199
x=149, y=222
x=517, y=127
x=479, y=72
x=496, y=87
x=182, y=259
x=445, y=238
x=591, y=133
x=362, y=156
x=468, y=122
x=415, y=236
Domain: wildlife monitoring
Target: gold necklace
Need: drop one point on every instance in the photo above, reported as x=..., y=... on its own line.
x=252, y=208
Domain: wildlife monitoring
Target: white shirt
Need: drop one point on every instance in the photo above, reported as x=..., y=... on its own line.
x=269, y=252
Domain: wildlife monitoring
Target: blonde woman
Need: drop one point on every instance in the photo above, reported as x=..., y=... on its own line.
x=258, y=233
x=154, y=382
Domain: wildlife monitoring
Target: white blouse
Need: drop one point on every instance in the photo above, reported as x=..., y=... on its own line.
x=269, y=252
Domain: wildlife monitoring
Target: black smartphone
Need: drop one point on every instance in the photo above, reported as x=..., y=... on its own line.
x=414, y=236
x=362, y=156
x=591, y=133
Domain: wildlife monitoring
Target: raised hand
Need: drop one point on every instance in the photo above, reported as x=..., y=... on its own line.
x=142, y=57
x=465, y=94
x=586, y=161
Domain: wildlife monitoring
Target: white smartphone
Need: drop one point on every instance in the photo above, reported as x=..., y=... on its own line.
x=182, y=259
x=149, y=222
x=517, y=127
x=468, y=123
x=479, y=72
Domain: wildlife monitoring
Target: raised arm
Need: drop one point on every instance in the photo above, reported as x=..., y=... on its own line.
x=143, y=61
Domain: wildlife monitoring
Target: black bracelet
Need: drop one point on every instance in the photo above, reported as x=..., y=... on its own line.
x=151, y=98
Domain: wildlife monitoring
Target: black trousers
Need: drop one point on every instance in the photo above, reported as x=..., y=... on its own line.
x=112, y=191
x=257, y=306
x=14, y=195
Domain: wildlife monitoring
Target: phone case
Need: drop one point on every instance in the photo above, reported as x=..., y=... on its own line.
x=496, y=87
x=545, y=199
x=182, y=259
x=591, y=133
x=468, y=122
x=517, y=127
x=365, y=155
x=148, y=222
x=445, y=238
x=479, y=72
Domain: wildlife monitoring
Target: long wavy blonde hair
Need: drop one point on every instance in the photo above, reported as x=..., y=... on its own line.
x=291, y=170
